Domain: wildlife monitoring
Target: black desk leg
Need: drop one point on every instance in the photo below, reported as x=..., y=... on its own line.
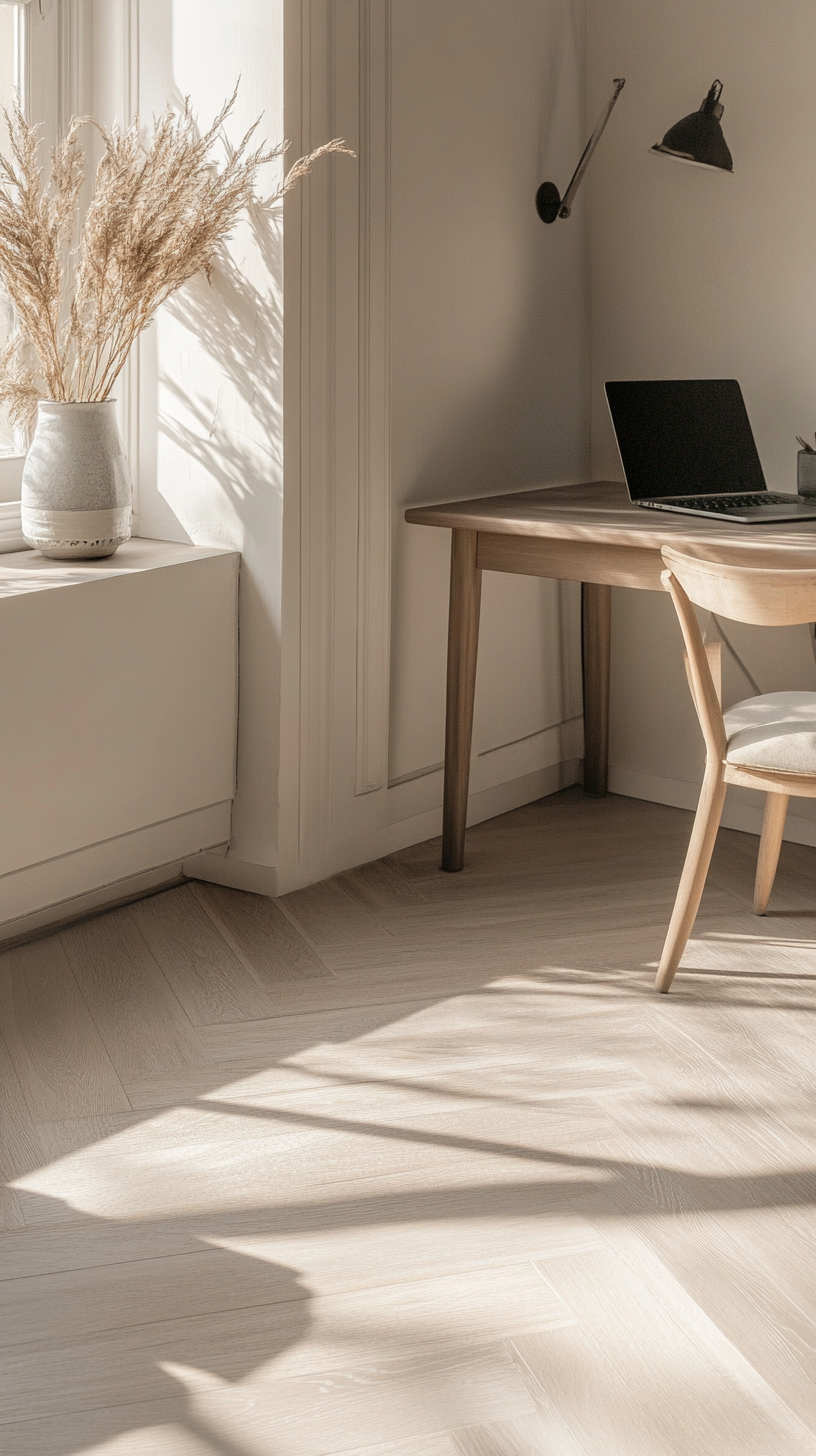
x=463, y=644
x=596, y=616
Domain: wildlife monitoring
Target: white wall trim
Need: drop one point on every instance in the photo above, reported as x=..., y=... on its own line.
x=499, y=799
x=743, y=807
x=374, y=499
x=336, y=589
x=75, y=49
x=510, y=763
x=236, y=874
x=129, y=82
x=308, y=586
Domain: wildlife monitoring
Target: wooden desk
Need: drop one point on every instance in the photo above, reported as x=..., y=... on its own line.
x=588, y=533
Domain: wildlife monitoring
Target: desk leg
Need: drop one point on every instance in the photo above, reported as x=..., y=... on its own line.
x=596, y=616
x=463, y=644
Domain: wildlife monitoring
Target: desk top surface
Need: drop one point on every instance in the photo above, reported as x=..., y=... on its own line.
x=600, y=512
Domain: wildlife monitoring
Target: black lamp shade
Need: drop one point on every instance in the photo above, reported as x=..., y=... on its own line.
x=698, y=138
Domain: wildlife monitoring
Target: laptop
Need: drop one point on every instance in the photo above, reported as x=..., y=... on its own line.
x=686, y=445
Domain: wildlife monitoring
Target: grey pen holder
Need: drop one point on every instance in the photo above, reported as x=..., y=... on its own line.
x=806, y=472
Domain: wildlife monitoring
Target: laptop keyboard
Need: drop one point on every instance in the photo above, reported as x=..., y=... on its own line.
x=721, y=503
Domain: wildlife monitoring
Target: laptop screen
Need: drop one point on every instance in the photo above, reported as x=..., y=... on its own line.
x=683, y=437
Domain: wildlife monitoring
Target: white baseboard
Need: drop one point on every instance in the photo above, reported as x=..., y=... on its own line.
x=236, y=874
x=743, y=807
x=107, y=897
x=420, y=793
x=679, y=793
x=76, y=883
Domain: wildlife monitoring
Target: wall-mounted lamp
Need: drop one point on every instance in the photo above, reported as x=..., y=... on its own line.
x=698, y=138
x=549, y=203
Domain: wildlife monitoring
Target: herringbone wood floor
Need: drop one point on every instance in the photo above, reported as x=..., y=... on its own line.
x=413, y=1164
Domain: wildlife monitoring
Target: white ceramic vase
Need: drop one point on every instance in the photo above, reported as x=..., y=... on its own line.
x=76, y=496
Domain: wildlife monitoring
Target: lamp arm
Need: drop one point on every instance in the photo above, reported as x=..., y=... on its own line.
x=586, y=156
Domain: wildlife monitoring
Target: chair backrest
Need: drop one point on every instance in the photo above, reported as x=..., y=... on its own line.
x=767, y=596
x=763, y=595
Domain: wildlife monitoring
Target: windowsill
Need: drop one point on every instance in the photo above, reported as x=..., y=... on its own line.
x=24, y=570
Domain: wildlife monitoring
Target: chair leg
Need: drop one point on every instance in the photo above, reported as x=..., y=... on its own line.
x=693, y=878
x=773, y=824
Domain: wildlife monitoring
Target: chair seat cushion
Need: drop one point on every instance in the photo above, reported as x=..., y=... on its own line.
x=774, y=731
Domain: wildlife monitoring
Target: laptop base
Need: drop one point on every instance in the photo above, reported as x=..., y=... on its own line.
x=797, y=510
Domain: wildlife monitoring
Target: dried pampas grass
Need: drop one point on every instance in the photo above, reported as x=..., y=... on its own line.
x=158, y=216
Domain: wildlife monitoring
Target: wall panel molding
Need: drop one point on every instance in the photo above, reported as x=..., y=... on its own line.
x=374, y=505
x=74, y=76
x=317, y=442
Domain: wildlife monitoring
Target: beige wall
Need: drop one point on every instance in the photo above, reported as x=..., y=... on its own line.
x=699, y=274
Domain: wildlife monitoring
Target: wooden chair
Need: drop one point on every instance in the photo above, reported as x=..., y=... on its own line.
x=766, y=742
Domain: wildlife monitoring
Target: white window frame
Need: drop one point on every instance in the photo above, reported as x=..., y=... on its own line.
x=11, y=465
x=51, y=42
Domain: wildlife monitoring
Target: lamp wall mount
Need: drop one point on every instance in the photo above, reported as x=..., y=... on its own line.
x=549, y=202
